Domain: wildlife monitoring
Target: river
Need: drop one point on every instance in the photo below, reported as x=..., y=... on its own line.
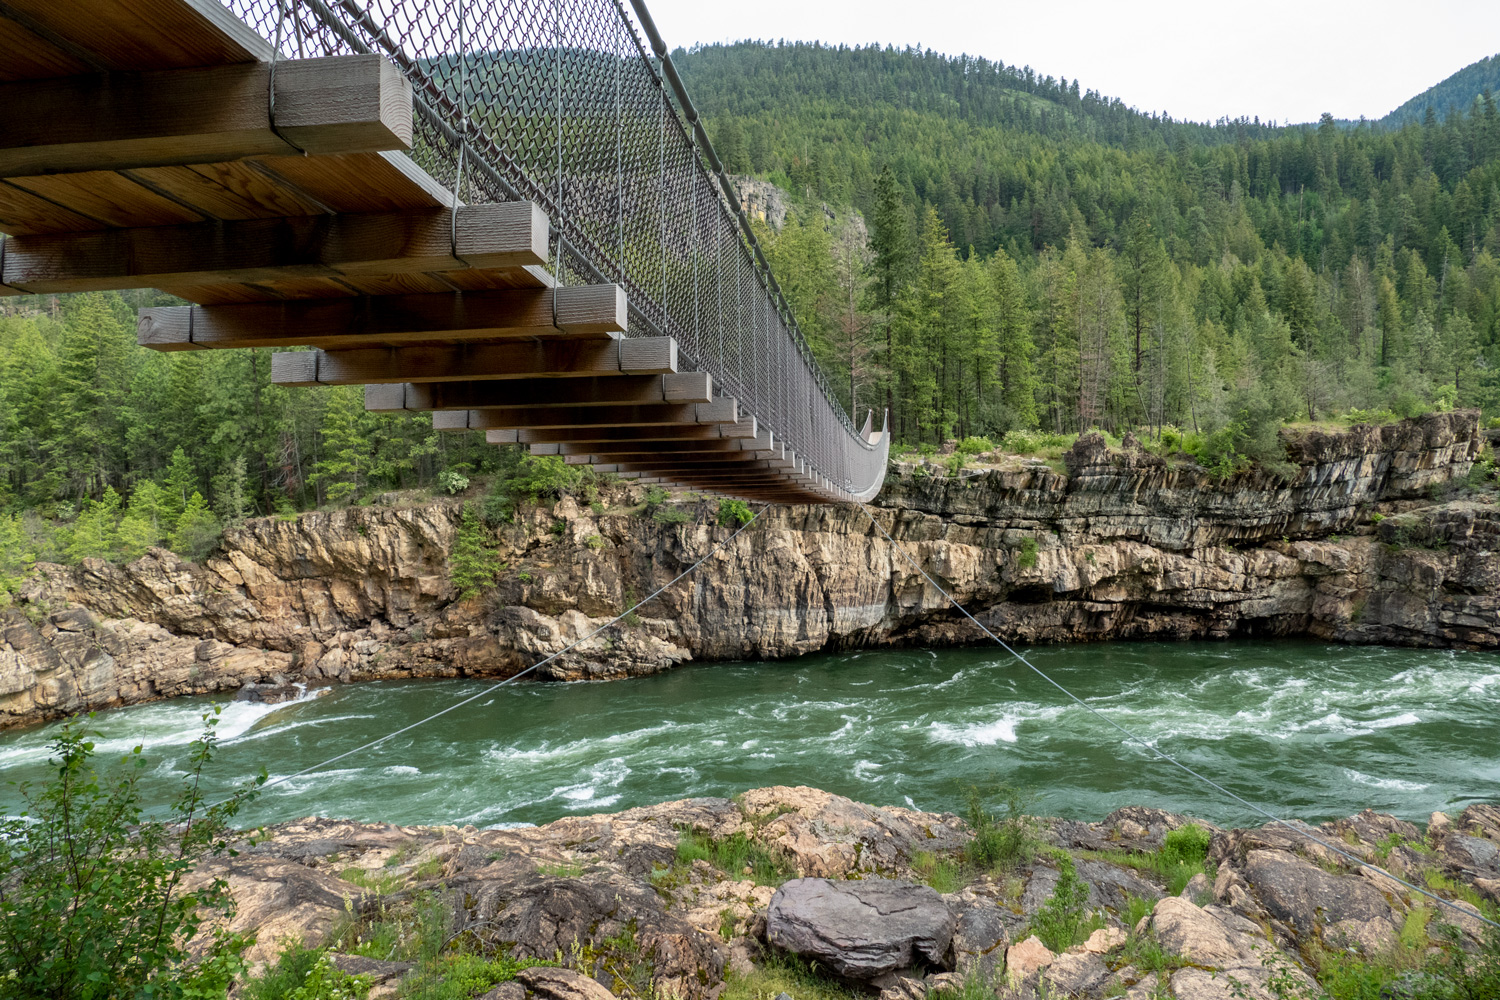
x=1310, y=730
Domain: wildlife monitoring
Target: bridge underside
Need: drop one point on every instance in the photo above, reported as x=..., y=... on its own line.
x=153, y=143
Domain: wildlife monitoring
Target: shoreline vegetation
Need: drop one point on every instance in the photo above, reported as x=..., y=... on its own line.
x=734, y=899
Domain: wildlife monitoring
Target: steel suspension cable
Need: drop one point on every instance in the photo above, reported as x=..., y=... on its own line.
x=1159, y=753
x=517, y=676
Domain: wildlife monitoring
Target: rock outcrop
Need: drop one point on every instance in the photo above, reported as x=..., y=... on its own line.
x=1352, y=548
x=610, y=906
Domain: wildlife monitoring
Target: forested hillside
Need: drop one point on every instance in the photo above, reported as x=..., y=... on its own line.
x=1028, y=276
x=1456, y=93
x=1028, y=258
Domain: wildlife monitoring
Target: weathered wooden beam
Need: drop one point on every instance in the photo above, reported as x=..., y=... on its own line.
x=114, y=121
x=475, y=362
x=608, y=435
x=507, y=234
x=597, y=311
x=626, y=390
x=552, y=417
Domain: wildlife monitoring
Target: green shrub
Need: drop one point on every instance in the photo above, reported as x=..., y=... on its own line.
x=1026, y=558
x=733, y=513
x=1001, y=842
x=474, y=562
x=1064, y=919
x=92, y=904
x=733, y=855
x=943, y=874
x=451, y=482
x=975, y=446
x=671, y=515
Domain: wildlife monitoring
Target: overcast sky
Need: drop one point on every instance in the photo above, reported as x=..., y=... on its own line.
x=1195, y=59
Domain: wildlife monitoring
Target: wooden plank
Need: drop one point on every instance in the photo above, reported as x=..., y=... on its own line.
x=362, y=182
x=499, y=235
x=589, y=311
x=146, y=34
x=109, y=197
x=463, y=362
x=228, y=190
x=594, y=433
x=29, y=56
x=327, y=105
x=23, y=213
x=627, y=390
x=557, y=417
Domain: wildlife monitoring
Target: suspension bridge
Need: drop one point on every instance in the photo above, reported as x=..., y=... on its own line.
x=509, y=215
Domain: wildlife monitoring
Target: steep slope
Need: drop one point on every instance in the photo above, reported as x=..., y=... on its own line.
x=1456, y=93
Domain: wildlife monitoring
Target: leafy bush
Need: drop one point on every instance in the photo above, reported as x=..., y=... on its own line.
x=733, y=513
x=92, y=904
x=532, y=479
x=1026, y=558
x=975, y=446
x=451, y=482
x=671, y=515
x=1031, y=442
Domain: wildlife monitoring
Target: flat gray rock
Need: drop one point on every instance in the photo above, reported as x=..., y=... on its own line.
x=860, y=929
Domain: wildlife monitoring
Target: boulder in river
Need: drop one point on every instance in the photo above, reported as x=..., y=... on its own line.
x=860, y=929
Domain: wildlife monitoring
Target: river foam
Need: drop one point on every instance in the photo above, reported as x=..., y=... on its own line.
x=1314, y=730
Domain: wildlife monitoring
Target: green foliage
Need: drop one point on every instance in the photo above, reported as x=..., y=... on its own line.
x=473, y=562
x=567, y=869
x=1002, y=841
x=451, y=482
x=289, y=972
x=326, y=981
x=93, y=904
x=197, y=531
x=733, y=513
x=16, y=556
x=1183, y=854
x=733, y=855
x=1064, y=919
x=943, y=874
x=671, y=515
x=1026, y=557
x=975, y=446
x=779, y=973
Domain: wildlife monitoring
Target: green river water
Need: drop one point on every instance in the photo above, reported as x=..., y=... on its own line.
x=1312, y=730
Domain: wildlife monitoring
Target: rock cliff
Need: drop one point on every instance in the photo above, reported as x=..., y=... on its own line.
x=1373, y=539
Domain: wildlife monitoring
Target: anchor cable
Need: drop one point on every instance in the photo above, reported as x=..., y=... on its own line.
x=1159, y=753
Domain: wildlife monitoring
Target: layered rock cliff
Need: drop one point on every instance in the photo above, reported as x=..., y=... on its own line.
x=1374, y=539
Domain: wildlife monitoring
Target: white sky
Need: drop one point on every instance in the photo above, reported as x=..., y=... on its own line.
x=1278, y=59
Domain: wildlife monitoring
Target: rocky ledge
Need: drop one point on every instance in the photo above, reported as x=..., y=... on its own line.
x=690, y=897
x=1375, y=538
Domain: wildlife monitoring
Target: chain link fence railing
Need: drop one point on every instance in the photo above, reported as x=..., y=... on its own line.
x=561, y=103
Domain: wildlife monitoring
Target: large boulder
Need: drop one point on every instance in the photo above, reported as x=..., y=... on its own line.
x=1343, y=909
x=860, y=929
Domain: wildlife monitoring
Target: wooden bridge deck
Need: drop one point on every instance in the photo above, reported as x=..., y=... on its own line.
x=138, y=149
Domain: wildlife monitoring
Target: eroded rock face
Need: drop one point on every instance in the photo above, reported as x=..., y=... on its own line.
x=860, y=929
x=1125, y=546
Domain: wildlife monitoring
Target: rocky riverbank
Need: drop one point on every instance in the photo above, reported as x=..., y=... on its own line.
x=799, y=889
x=1374, y=539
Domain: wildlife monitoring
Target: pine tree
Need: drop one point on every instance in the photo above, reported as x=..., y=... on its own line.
x=197, y=530
x=345, y=460
x=181, y=484
x=473, y=563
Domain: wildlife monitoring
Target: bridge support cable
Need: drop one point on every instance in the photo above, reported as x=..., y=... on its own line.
x=488, y=689
x=1296, y=828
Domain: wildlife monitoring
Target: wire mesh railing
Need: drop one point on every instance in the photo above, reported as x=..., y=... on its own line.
x=561, y=103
